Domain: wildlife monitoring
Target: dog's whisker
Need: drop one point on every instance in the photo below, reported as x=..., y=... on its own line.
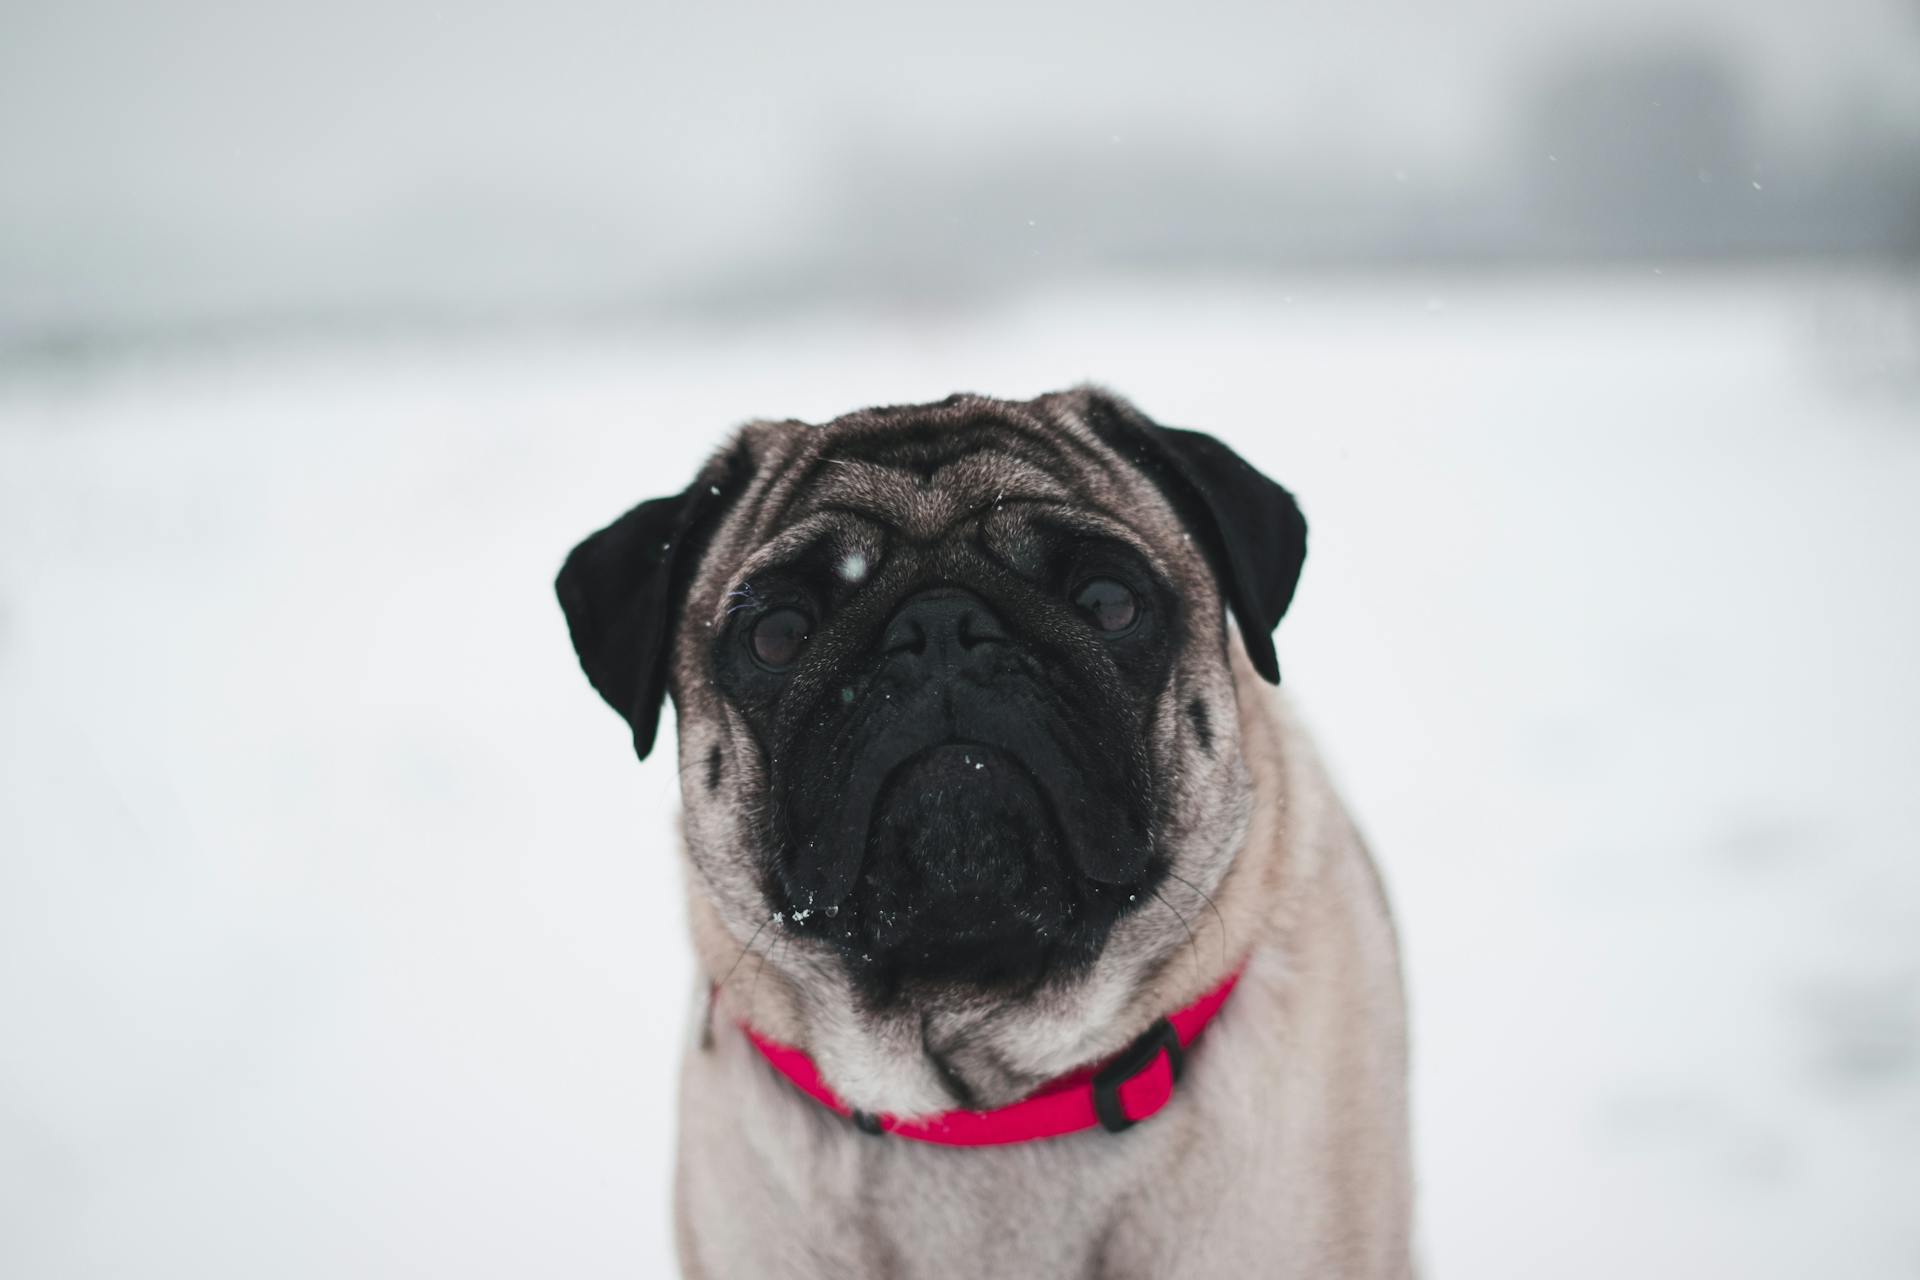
x=753, y=988
x=1208, y=899
x=1192, y=943
x=743, y=951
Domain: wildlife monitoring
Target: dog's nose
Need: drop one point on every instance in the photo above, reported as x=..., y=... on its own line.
x=942, y=628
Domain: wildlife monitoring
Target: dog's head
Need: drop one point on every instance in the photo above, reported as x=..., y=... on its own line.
x=952, y=680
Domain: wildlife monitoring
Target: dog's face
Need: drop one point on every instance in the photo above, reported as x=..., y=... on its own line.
x=952, y=680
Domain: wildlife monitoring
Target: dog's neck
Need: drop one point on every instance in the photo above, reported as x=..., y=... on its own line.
x=988, y=1051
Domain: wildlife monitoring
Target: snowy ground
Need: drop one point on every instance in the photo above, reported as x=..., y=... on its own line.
x=340, y=935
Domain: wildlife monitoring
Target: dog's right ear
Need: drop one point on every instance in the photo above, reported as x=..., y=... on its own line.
x=624, y=588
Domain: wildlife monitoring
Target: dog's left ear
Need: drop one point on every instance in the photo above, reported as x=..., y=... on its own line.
x=624, y=588
x=1249, y=528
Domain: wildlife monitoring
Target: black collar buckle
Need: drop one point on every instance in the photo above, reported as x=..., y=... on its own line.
x=1135, y=1060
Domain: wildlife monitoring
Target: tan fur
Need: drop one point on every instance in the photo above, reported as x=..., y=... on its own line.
x=1285, y=1150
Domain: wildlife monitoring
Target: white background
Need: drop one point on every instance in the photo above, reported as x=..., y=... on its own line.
x=341, y=934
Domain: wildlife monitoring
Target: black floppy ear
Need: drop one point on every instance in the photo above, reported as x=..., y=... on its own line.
x=1250, y=528
x=624, y=587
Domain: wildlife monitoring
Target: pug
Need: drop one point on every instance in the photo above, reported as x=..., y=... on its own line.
x=1033, y=940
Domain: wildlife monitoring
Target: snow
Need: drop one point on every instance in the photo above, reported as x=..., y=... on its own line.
x=340, y=934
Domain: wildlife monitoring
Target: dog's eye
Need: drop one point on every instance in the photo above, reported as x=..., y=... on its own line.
x=1112, y=607
x=778, y=637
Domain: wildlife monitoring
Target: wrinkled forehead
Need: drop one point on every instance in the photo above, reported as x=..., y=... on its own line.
x=882, y=478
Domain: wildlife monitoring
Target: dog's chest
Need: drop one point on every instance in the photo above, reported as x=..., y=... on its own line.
x=772, y=1184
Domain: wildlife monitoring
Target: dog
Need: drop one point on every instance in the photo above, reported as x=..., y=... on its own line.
x=1033, y=939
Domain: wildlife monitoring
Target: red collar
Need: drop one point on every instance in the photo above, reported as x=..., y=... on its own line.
x=1116, y=1095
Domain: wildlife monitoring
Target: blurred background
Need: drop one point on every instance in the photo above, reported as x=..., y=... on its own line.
x=340, y=934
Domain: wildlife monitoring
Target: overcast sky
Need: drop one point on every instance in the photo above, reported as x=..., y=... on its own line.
x=189, y=160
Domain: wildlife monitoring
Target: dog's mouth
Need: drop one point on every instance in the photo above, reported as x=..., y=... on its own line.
x=963, y=847
x=948, y=813
x=972, y=840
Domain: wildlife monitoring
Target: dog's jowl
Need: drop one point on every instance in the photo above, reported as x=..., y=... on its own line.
x=1033, y=940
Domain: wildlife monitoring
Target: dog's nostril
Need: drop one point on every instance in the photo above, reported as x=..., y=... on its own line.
x=906, y=635
x=978, y=629
x=940, y=626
